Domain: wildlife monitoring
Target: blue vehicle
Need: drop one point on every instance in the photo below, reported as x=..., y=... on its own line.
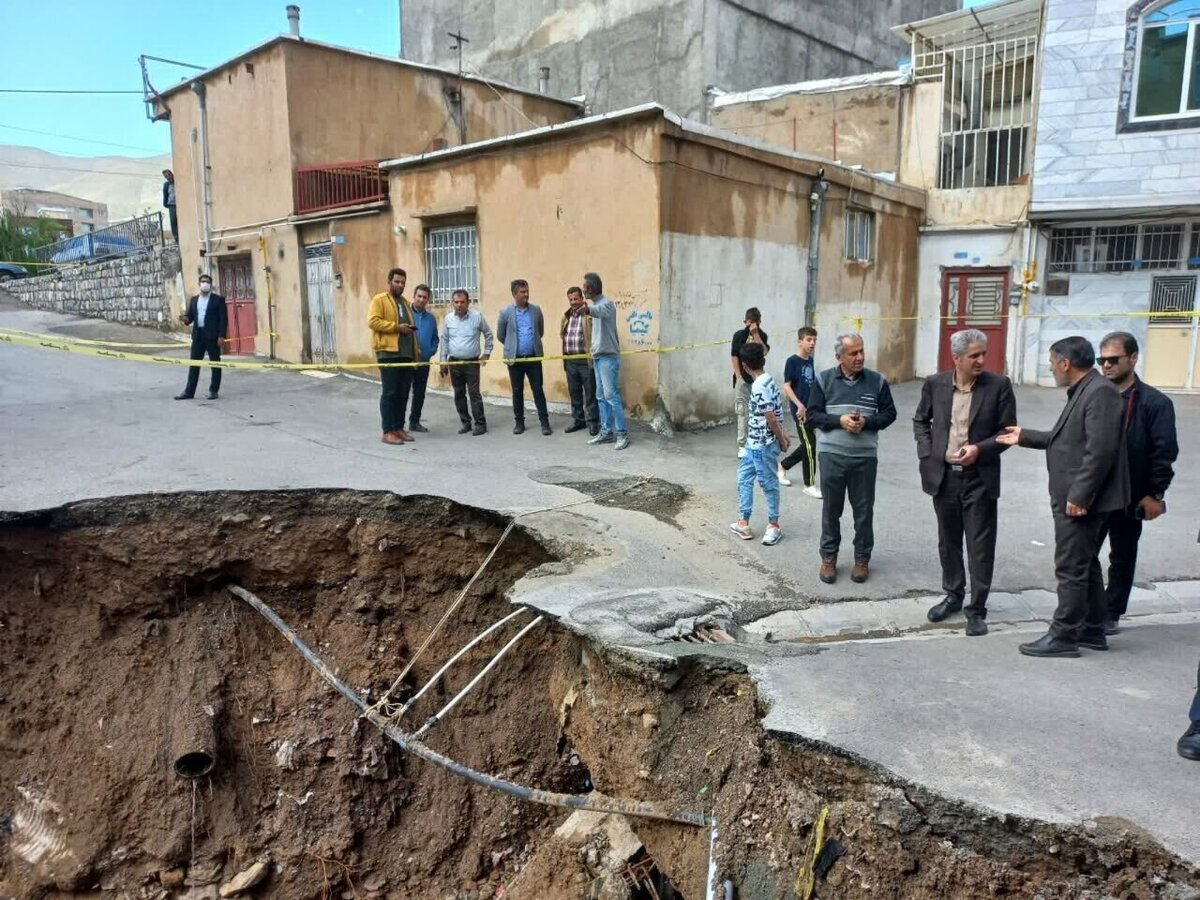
x=9, y=271
x=95, y=246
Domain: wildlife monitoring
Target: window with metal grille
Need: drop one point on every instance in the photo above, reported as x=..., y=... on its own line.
x=1173, y=300
x=987, y=112
x=1123, y=248
x=451, y=261
x=860, y=235
x=1161, y=245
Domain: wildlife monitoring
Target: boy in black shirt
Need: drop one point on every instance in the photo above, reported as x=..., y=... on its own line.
x=751, y=334
x=798, y=376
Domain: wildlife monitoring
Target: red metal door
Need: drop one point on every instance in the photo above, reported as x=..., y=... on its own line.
x=236, y=277
x=975, y=298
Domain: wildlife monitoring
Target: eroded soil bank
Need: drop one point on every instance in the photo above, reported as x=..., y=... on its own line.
x=120, y=644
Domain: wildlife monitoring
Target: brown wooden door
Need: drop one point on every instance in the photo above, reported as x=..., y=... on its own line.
x=236, y=277
x=975, y=298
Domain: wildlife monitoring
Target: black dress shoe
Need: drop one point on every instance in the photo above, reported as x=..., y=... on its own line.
x=519, y=428
x=546, y=429
x=1112, y=626
x=479, y=429
x=593, y=430
x=1189, y=744
x=418, y=427
x=465, y=429
x=976, y=625
x=212, y=395
x=574, y=427
x=1093, y=641
x=1049, y=645
x=184, y=396
x=944, y=610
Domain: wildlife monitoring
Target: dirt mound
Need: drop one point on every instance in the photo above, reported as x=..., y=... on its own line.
x=121, y=649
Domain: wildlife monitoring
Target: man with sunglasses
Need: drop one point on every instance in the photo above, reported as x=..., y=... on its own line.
x=1152, y=446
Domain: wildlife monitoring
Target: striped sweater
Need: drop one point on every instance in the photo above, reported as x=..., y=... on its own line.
x=834, y=395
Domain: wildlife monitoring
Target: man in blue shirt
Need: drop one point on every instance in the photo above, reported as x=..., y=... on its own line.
x=519, y=330
x=427, y=344
x=799, y=373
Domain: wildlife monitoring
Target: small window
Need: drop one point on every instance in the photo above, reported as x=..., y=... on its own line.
x=1168, y=61
x=1161, y=245
x=1193, y=261
x=451, y=261
x=860, y=235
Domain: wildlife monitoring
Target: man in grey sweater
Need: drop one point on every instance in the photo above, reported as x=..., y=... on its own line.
x=606, y=359
x=849, y=405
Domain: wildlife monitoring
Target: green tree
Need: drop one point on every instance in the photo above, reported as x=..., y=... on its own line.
x=20, y=235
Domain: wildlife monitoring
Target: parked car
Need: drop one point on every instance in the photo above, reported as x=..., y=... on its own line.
x=95, y=246
x=9, y=271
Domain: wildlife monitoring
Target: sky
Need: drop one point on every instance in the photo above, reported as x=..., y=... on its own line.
x=89, y=45
x=95, y=46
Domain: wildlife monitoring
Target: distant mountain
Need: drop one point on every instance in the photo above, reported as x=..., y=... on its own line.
x=130, y=185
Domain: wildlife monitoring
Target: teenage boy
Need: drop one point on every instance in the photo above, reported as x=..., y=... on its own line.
x=799, y=373
x=751, y=334
x=765, y=439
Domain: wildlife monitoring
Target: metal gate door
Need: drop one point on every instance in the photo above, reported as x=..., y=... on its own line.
x=237, y=284
x=975, y=298
x=1172, y=354
x=322, y=338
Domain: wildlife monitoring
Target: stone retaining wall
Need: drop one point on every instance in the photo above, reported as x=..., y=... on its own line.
x=133, y=290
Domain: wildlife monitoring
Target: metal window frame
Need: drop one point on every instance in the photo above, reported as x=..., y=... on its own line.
x=1187, y=315
x=1189, y=57
x=451, y=261
x=859, y=234
x=1187, y=255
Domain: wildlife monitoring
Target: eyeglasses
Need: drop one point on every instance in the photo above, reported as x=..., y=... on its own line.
x=1111, y=360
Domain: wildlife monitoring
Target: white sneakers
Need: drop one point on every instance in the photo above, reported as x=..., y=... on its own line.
x=781, y=473
x=772, y=536
x=813, y=491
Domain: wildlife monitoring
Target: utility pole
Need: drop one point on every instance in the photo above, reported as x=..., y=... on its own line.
x=457, y=97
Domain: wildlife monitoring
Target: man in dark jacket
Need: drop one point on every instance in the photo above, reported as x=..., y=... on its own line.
x=849, y=406
x=1089, y=478
x=956, y=423
x=209, y=319
x=1152, y=447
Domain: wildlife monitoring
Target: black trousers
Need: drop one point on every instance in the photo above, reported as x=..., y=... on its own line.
x=1194, y=715
x=805, y=453
x=201, y=346
x=393, y=399
x=465, y=380
x=581, y=385
x=963, y=507
x=517, y=373
x=853, y=475
x=174, y=219
x=1081, y=604
x=420, y=381
x=1123, y=532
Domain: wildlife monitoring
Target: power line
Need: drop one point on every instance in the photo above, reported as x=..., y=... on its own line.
x=72, y=137
x=48, y=91
x=73, y=169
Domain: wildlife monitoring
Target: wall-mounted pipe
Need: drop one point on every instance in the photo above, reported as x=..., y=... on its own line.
x=201, y=92
x=816, y=200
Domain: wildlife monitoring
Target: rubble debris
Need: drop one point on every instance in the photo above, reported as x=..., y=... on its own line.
x=246, y=879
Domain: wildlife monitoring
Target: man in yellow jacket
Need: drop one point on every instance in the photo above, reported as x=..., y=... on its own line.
x=394, y=339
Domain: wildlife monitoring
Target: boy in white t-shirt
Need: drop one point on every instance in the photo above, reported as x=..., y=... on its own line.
x=765, y=439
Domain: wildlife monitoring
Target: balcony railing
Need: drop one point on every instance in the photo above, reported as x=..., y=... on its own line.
x=339, y=184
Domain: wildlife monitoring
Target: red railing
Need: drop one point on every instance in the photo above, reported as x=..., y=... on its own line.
x=339, y=184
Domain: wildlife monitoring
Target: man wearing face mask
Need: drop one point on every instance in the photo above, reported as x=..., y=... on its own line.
x=210, y=326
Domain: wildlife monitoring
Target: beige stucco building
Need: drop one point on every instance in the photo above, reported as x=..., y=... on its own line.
x=272, y=146
x=688, y=226
x=75, y=214
x=959, y=124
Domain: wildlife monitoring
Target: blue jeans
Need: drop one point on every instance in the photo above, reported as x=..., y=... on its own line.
x=759, y=464
x=608, y=393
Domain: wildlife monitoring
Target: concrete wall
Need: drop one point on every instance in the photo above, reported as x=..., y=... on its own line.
x=367, y=250
x=137, y=290
x=1081, y=162
x=624, y=52
x=548, y=213
x=860, y=126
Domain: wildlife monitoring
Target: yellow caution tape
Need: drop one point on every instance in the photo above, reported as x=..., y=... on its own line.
x=1124, y=314
x=103, y=343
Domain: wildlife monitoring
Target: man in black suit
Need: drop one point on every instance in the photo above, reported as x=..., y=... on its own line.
x=1089, y=478
x=210, y=326
x=1151, y=446
x=956, y=423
